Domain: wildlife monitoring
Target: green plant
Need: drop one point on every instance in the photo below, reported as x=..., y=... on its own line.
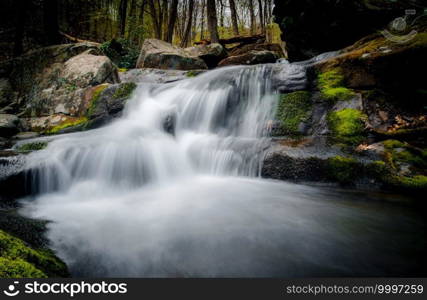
x=124, y=53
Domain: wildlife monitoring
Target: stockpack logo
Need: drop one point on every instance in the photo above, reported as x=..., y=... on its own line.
x=12, y=289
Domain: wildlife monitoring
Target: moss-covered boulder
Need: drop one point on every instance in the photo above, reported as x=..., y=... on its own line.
x=19, y=260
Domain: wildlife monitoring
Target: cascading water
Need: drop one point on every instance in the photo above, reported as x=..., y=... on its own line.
x=172, y=189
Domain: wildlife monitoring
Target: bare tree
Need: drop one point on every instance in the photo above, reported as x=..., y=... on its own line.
x=212, y=20
x=261, y=16
x=172, y=20
x=122, y=16
x=252, y=17
x=186, y=38
x=234, y=20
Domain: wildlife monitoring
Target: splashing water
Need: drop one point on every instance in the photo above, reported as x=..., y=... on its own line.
x=173, y=189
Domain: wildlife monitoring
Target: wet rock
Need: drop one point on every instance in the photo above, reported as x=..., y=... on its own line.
x=156, y=75
x=9, y=125
x=162, y=55
x=250, y=58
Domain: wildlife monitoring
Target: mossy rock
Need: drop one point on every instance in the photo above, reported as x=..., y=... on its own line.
x=20, y=260
x=331, y=86
x=33, y=146
x=124, y=91
x=347, y=125
x=293, y=110
x=69, y=125
x=343, y=169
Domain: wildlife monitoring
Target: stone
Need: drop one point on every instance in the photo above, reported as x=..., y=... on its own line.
x=250, y=58
x=9, y=125
x=211, y=54
x=162, y=55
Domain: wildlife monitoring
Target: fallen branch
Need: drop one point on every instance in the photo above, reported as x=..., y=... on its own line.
x=76, y=40
x=242, y=40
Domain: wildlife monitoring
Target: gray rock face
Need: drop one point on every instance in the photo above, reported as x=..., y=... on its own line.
x=162, y=55
x=8, y=125
x=87, y=69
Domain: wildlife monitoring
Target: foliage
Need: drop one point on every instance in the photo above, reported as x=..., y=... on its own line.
x=293, y=109
x=19, y=260
x=347, y=125
x=331, y=87
x=122, y=52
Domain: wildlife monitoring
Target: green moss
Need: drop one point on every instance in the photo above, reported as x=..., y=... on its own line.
x=124, y=90
x=347, y=125
x=415, y=182
x=391, y=144
x=342, y=169
x=19, y=260
x=192, y=73
x=293, y=109
x=32, y=146
x=122, y=70
x=330, y=84
x=398, y=152
x=66, y=124
x=18, y=269
x=95, y=97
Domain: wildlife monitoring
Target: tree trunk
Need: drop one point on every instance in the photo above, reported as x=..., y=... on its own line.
x=261, y=17
x=186, y=39
x=155, y=19
x=122, y=16
x=50, y=20
x=172, y=20
x=165, y=16
x=202, y=24
x=212, y=20
x=252, y=16
x=234, y=17
x=20, y=17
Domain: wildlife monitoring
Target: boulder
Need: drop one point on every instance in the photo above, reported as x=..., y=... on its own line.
x=87, y=69
x=9, y=125
x=107, y=102
x=211, y=54
x=162, y=55
x=250, y=58
x=52, y=80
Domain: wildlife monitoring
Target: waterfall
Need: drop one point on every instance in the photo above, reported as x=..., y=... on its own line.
x=172, y=189
x=214, y=124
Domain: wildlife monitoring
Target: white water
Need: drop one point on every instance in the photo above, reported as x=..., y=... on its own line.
x=131, y=199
